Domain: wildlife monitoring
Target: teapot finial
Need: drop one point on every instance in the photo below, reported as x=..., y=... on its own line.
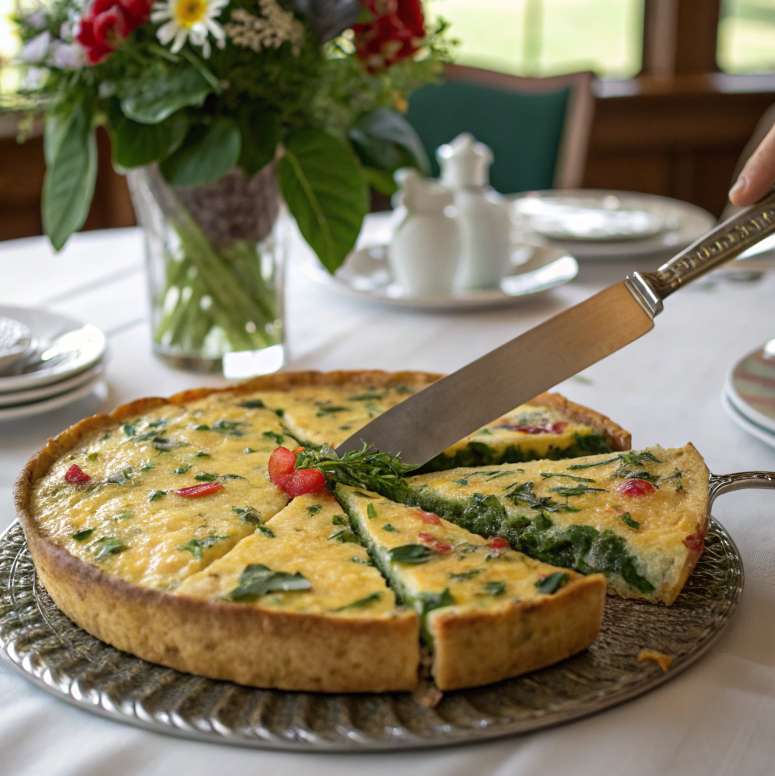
x=465, y=162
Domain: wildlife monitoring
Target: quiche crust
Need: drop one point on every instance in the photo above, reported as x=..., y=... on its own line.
x=225, y=640
x=527, y=636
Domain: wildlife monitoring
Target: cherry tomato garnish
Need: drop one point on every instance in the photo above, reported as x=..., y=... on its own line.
x=294, y=482
x=497, y=543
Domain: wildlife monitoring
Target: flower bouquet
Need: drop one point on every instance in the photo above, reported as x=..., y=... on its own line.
x=220, y=110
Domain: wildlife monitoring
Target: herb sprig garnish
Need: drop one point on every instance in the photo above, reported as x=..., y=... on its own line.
x=637, y=459
x=367, y=469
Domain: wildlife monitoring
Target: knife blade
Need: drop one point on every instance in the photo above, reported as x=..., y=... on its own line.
x=461, y=403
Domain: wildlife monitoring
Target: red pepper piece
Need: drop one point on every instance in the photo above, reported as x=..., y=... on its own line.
x=195, y=491
x=635, y=488
x=435, y=543
x=497, y=543
x=694, y=542
x=428, y=517
x=304, y=481
x=544, y=427
x=75, y=475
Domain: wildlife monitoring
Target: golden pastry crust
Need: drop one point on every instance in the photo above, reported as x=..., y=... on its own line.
x=220, y=639
x=474, y=648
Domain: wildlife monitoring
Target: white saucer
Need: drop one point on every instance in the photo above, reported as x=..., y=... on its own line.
x=681, y=223
x=366, y=275
x=96, y=385
x=752, y=428
x=65, y=347
x=19, y=398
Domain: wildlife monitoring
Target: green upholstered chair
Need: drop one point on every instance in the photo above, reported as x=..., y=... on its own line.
x=538, y=128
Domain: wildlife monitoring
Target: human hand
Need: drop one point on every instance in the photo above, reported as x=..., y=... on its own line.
x=758, y=175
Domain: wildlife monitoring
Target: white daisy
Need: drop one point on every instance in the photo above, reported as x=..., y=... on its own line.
x=192, y=20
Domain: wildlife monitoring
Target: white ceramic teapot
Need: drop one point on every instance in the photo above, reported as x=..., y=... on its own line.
x=424, y=253
x=483, y=214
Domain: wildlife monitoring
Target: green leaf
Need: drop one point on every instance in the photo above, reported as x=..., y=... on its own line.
x=324, y=189
x=196, y=546
x=361, y=603
x=380, y=180
x=410, y=553
x=206, y=154
x=634, y=524
x=371, y=512
x=274, y=436
x=430, y=601
x=182, y=469
x=344, y=536
x=68, y=188
x=83, y=535
x=247, y=515
x=135, y=144
x=109, y=545
x=260, y=132
x=552, y=583
x=257, y=580
x=160, y=98
x=495, y=588
x=386, y=140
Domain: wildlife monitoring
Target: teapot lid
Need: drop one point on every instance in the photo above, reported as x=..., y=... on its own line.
x=465, y=162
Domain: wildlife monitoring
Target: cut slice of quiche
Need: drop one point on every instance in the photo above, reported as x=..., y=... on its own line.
x=640, y=518
x=308, y=588
x=549, y=427
x=488, y=612
x=319, y=409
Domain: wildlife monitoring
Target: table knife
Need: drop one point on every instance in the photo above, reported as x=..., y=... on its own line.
x=461, y=403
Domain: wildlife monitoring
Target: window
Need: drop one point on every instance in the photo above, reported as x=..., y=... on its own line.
x=746, y=36
x=548, y=37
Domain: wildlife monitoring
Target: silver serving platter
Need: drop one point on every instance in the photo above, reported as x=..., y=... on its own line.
x=42, y=644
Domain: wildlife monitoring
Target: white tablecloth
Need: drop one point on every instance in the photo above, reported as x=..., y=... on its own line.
x=716, y=718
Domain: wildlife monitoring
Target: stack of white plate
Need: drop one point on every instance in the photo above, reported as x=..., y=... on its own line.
x=749, y=395
x=600, y=225
x=47, y=361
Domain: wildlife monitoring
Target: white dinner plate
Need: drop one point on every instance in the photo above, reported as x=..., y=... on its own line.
x=65, y=347
x=366, y=275
x=681, y=223
x=745, y=423
x=18, y=398
x=97, y=385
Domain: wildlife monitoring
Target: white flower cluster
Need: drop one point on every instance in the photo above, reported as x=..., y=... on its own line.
x=275, y=28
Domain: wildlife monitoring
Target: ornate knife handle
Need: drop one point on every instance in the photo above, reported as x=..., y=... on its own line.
x=726, y=483
x=726, y=241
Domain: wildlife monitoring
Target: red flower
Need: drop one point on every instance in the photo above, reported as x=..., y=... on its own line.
x=396, y=32
x=107, y=23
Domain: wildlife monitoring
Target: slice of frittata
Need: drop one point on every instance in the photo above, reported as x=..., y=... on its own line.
x=640, y=518
x=307, y=573
x=488, y=612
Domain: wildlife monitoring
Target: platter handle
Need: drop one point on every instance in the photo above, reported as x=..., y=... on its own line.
x=726, y=483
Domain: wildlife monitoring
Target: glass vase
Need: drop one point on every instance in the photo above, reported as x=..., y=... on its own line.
x=215, y=257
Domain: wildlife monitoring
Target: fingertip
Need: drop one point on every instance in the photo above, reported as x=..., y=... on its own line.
x=737, y=192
